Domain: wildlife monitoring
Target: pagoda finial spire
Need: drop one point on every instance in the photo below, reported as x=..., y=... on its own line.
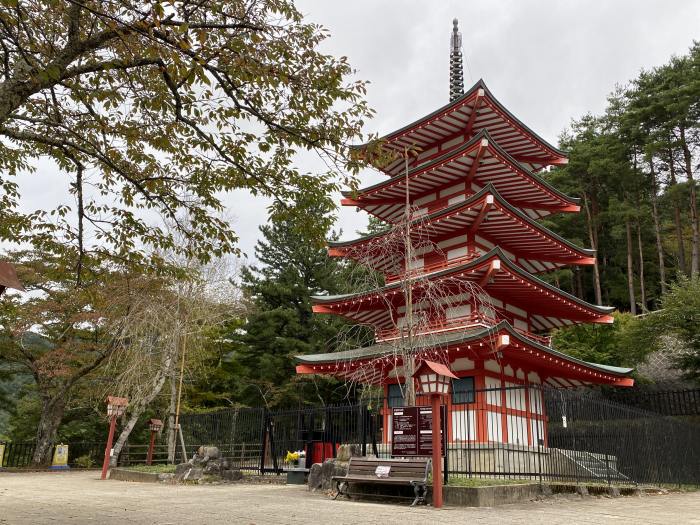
x=456, y=71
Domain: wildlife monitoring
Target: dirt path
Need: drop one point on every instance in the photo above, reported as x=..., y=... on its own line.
x=80, y=497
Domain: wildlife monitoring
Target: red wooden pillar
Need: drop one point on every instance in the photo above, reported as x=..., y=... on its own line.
x=482, y=434
x=504, y=401
x=437, y=452
x=108, y=448
x=528, y=412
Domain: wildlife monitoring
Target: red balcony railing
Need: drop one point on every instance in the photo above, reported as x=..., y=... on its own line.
x=433, y=267
x=457, y=323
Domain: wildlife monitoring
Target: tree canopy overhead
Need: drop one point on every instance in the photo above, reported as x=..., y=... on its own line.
x=160, y=107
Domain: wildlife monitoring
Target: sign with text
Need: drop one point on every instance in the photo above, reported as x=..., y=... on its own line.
x=412, y=431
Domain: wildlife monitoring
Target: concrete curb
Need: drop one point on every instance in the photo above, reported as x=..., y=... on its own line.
x=122, y=474
x=489, y=496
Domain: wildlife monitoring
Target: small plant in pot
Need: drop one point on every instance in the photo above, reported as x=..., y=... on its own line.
x=296, y=459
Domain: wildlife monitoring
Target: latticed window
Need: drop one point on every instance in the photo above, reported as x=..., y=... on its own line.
x=395, y=396
x=463, y=390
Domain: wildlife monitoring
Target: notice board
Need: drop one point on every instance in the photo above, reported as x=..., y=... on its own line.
x=412, y=431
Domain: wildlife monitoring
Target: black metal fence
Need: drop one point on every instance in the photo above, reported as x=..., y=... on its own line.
x=542, y=434
x=667, y=402
x=82, y=454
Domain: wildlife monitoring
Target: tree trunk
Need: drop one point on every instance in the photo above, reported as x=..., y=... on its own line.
x=579, y=282
x=642, y=290
x=677, y=216
x=594, y=246
x=630, y=268
x=695, y=248
x=52, y=410
x=172, y=432
x=657, y=227
x=140, y=406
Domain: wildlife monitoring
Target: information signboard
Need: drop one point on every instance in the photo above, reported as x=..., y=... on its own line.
x=412, y=431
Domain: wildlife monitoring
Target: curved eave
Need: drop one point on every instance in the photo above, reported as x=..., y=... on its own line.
x=495, y=253
x=360, y=196
x=469, y=202
x=379, y=350
x=557, y=155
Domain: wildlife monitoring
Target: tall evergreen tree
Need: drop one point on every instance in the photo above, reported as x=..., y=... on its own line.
x=291, y=268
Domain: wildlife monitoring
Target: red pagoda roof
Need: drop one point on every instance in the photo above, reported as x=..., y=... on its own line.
x=377, y=363
x=459, y=120
x=490, y=216
x=548, y=306
x=476, y=163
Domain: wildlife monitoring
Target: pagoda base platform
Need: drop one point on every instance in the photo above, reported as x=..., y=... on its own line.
x=503, y=460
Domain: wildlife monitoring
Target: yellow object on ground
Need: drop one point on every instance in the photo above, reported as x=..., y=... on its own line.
x=60, y=457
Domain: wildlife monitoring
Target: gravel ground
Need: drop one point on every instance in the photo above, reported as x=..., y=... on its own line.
x=80, y=497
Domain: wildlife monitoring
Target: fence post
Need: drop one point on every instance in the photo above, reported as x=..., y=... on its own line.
x=365, y=414
x=446, y=462
x=273, y=450
x=373, y=433
x=607, y=468
x=263, y=440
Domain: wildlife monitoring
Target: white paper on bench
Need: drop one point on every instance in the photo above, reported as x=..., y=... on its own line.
x=382, y=471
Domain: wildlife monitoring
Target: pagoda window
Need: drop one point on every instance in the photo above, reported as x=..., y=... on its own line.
x=395, y=396
x=463, y=390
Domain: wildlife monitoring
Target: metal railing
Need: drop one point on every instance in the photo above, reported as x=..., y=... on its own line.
x=82, y=454
x=666, y=402
x=20, y=454
x=522, y=432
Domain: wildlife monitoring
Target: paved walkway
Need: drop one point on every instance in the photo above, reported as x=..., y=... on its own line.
x=80, y=497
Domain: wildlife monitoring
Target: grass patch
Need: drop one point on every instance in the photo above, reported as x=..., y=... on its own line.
x=154, y=469
x=483, y=482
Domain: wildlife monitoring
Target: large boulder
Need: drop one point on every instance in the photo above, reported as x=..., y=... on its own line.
x=212, y=468
x=209, y=452
x=321, y=474
x=188, y=472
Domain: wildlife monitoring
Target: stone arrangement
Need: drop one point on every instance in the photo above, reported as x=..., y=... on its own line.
x=207, y=464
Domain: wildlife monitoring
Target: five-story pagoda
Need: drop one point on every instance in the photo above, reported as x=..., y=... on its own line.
x=460, y=264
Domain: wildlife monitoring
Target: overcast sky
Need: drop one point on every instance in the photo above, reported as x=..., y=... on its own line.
x=548, y=62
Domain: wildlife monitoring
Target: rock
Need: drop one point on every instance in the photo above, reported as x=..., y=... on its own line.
x=182, y=468
x=546, y=490
x=212, y=468
x=166, y=477
x=582, y=490
x=209, y=452
x=614, y=492
x=320, y=475
x=231, y=475
x=345, y=452
x=194, y=474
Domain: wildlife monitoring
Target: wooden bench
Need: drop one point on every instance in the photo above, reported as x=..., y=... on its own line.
x=410, y=472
